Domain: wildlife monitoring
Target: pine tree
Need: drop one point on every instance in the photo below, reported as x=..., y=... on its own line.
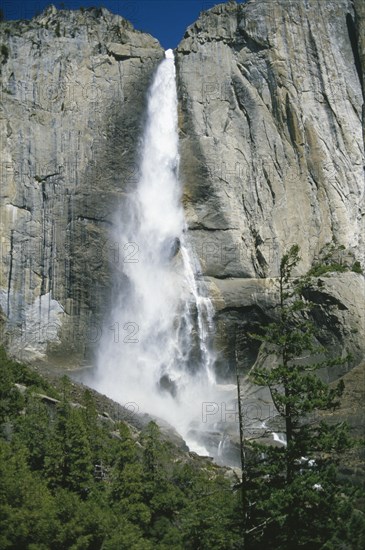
x=292, y=489
x=11, y=400
x=79, y=458
x=34, y=430
x=68, y=461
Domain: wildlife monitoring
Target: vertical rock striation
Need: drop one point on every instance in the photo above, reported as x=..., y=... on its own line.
x=73, y=87
x=272, y=126
x=272, y=153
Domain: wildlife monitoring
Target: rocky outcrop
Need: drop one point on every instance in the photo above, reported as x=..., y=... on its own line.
x=271, y=114
x=271, y=111
x=243, y=306
x=73, y=87
x=358, y=45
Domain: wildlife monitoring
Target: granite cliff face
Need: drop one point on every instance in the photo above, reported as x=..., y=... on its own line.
x=73, y=97
x=272, y=154
x=271, y=119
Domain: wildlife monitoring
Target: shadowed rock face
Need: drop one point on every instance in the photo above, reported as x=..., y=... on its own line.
x=272, y=153
x=271, y=131
x=73, y=90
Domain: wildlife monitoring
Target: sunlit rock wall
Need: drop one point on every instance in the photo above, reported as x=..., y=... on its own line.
x=272, y=153
x=73, y=87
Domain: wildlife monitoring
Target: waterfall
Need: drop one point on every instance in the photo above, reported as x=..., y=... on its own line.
x=155, y=350
x=279, y=438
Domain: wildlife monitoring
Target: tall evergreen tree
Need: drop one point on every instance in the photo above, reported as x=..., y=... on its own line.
x=68, y=461
x=292, y=489
x=11, y=400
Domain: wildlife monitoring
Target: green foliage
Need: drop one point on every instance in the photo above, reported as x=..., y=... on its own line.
x=292, y=492
x=356, y=267
x=212, y=518
x=11, y=400
x=334, y=260
x=154, y=451
x=321, y=269
x=21, y=374
x=27, y=509
x=68, y=456
x=71, y=480
x=34, y=430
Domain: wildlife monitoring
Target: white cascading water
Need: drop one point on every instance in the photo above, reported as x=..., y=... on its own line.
x=155, y=351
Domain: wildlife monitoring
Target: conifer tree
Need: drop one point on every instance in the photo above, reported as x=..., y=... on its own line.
x=68, y=462
x=292, y=489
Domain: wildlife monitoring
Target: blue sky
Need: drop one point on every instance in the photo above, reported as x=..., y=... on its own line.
x=166, y=20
